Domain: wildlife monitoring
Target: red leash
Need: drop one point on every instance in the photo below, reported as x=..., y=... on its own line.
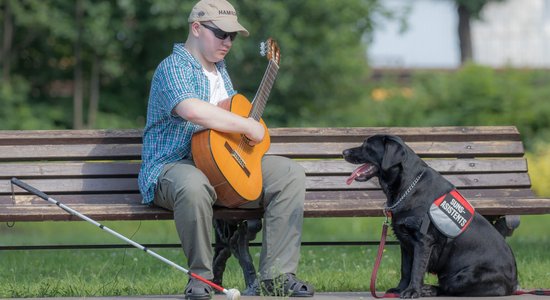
x=379, y=259
x=537, y=292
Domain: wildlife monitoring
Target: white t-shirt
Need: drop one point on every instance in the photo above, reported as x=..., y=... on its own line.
x=217, y=89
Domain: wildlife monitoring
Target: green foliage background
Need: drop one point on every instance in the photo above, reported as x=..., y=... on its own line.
x=127, y=39
x=471, y=95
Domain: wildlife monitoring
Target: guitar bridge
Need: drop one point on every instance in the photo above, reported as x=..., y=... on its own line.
x=237, y=158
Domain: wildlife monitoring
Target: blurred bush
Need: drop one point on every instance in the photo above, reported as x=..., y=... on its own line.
x=539, y=163
x=473, y=95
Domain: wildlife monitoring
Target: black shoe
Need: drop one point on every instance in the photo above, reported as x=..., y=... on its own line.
x=197, y=290
x=286, y=285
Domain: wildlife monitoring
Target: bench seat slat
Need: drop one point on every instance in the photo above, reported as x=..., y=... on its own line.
x=120, y=185
x=321, y=208
x=375, y=207
x=46, y=212
x=318, y=204
x=311, y=196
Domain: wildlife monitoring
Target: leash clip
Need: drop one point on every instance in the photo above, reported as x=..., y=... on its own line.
x=388, y=215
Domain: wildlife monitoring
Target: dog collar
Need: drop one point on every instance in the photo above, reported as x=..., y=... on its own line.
x=409, y=189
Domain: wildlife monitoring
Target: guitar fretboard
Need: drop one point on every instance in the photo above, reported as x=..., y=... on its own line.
x=260, y=100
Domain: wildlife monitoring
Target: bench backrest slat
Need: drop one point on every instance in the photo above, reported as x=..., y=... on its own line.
x=97, y=169
x=296, y=134
x=123, y=185
x=312, y=167
x=408, y=134
x=306, y=150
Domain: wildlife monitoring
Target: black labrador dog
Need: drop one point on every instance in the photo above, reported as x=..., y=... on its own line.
x=468, y=255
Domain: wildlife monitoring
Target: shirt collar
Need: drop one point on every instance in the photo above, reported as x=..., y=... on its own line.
x=180, y=50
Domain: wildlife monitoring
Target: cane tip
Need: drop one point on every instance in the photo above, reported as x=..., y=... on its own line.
x=233, y=294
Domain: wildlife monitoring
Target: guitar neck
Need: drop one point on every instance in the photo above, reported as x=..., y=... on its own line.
x=260, y=100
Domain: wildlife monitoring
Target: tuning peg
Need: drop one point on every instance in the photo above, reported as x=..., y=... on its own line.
x=263, y=49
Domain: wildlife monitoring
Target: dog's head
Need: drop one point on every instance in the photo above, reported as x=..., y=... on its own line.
x=379, y=155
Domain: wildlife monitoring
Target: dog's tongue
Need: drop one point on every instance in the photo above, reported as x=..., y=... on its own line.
x=363, y=170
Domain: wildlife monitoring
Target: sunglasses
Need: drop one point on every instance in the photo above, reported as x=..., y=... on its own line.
x=222, y=35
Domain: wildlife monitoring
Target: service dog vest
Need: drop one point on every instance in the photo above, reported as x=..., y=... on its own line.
x=451, y=214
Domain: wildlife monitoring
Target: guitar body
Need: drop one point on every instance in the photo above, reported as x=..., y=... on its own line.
x=233, y=167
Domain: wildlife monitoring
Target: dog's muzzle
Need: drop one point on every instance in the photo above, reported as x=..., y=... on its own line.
x=362, y=173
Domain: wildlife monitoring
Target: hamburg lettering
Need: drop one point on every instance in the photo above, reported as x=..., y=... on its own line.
x=227, y=12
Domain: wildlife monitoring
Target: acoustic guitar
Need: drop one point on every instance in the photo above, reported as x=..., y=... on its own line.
x=231, y=164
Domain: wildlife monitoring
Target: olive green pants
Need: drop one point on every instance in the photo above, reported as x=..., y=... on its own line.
x=186, y=191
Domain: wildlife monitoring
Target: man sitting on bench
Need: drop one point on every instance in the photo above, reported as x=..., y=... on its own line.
x=185, y=89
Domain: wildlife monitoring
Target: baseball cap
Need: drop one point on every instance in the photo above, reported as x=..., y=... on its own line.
x=219, y=12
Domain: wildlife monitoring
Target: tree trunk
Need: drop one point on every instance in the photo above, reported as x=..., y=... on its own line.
x=464, y=34
x=78, y=95
x=7, y=41
x=94, y=92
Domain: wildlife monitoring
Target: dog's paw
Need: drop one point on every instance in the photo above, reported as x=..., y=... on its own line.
x=430, y=291
x=409, y=293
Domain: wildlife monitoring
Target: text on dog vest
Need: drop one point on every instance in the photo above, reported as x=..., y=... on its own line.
x=454, y=211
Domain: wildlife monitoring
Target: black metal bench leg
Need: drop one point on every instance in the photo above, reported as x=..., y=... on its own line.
x=239, y=244
x=505, y=224
x=222, y=252
x=233, y=237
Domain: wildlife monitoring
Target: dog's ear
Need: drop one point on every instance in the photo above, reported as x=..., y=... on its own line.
x=394, y=152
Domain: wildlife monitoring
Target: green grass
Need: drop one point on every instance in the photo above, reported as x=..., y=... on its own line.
x=46, y=273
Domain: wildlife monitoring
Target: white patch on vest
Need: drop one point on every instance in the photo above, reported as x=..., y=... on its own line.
x=451, y=214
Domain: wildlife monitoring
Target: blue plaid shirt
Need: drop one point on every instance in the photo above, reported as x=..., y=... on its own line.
x=167, y=136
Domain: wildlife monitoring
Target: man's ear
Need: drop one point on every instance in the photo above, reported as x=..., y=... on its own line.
x=394, y=153
x=194, y=28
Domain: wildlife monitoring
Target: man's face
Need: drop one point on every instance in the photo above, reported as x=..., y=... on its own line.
x=214, y=42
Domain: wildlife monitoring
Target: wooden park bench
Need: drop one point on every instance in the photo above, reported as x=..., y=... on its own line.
x=95, y=172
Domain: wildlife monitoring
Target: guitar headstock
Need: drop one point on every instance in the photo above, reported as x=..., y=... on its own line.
x=270, y=48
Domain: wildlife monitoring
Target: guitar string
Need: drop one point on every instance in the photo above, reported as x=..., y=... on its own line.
x=260, y=102
x=264, y=92
x=257, y=108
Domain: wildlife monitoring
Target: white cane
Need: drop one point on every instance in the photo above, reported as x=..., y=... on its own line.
x=232, y=294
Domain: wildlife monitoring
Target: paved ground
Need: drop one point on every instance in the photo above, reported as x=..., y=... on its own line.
x=318, y=296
